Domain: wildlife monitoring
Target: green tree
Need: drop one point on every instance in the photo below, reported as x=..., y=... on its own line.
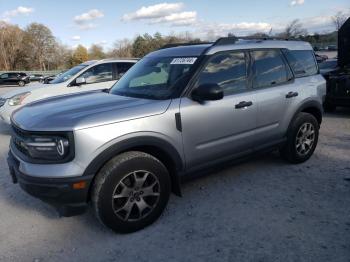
x=96, y=52
x=80, y=55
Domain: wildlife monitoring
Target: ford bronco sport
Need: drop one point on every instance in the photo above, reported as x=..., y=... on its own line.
x=178, y=111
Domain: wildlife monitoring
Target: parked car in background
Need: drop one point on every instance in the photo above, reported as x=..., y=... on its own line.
x=36, y=77
x=178, y=111
x=328, y=66
x=320, y=58
x=47, y=79
x=14, y=78
x=338, y=79
x=88, y=76
x=332, y=48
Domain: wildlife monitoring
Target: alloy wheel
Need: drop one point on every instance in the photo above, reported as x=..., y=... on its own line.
x=305, y=139
x=136, y=195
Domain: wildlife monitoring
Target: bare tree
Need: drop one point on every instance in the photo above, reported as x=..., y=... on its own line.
x=339, y=19
x=10, y=45
x=293, y=30
x=121, y=49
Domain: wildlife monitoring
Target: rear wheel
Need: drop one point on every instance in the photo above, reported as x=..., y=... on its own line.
x=21, y=83
x=131, y=191
x=302, y=138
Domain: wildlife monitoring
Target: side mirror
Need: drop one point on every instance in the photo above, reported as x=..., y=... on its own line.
x=208, y=92
x=80, y=81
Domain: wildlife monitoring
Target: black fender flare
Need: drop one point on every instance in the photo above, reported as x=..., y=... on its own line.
x=142, y=141
x=306, y=105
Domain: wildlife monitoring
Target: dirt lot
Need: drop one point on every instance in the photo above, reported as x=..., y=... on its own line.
x=260, y=210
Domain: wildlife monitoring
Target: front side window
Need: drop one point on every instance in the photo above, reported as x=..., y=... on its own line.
x=155, y=78
x=269, y=68
x=68, y=74
x=99, y=73
x=228, y=70
x=13, y=75
x=302, y=62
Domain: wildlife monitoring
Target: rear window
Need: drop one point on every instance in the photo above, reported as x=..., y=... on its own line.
x=303, y=62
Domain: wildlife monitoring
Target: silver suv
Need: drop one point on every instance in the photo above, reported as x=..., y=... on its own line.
x=178, y=111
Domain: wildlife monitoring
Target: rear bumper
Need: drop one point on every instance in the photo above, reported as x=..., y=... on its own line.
x=58, y=192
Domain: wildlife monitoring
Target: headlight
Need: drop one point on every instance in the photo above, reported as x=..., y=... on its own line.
x=44, y=148
x=18, y=99
x=49, y=148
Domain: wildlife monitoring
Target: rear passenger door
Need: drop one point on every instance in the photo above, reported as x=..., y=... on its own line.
x=214, y=130
x=274, y=87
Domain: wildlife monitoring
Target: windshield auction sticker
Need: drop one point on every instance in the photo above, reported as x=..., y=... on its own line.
x=183, y=61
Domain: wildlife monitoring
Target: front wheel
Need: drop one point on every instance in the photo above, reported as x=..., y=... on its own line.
x=131, y=191
x=21, y=83
x=302, y=138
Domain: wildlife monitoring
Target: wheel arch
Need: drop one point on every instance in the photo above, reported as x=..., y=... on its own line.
x=156, y=147
x=312, y=107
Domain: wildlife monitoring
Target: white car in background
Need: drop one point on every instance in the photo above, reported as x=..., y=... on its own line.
x=88, y=76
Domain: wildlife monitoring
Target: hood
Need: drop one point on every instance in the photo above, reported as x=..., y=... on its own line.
x=73, y=112
x=25, y=89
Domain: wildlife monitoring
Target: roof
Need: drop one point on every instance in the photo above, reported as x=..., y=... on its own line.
x=261, y=44
x=116, y=60
x=190, y=50
x=196, y=50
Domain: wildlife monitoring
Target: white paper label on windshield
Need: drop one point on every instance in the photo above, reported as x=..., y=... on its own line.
x=183, y=61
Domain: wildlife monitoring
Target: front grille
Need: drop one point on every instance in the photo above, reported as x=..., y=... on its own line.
x=2, y=101
x=18, y=139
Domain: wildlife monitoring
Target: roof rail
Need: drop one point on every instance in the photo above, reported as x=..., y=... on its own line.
x=233, y=39
x=184, y=44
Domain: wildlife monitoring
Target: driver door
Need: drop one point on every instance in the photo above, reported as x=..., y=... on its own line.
x=215, y=130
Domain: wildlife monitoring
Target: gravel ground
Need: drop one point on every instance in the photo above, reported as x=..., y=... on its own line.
x=261, y=210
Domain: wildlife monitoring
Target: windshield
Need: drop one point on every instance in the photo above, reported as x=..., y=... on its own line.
x=68, y=74
x=155, y=78
x=328, y=65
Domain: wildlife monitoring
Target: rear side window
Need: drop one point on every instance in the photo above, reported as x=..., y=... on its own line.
x=228, y=70
x=122, y=68
x=302, y=62
x=269, y=68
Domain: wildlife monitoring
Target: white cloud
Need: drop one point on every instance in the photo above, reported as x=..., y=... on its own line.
x=21, y=10
x=177, y=19
x=85, y=20
x=91, y=15
x=169, y=13
x=154, y=11
x=211, y=31
x=297, y=2
x=76, y=38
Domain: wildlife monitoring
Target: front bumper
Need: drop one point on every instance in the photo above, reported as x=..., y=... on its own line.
x=58, y=192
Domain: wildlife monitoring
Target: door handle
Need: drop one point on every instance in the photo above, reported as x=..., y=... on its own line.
x=292, y=94
x=243, y=104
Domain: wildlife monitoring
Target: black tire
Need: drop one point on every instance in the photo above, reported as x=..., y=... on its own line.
x=328, y=107
x=113, y=174
x=289, y=151
x=21, y=83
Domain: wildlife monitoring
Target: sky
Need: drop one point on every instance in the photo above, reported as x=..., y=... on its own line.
x=103, y=22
